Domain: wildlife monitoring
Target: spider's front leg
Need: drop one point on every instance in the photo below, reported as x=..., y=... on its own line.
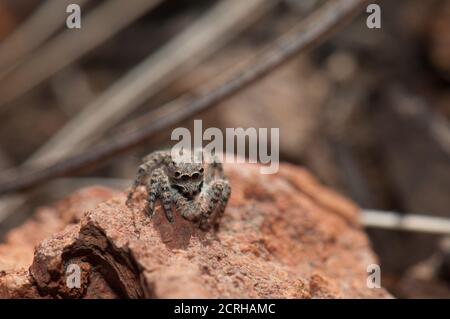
x=188, y=209
x=213, y=197
x=141, y=174
x=219, y=194
x=159, y=187
x=150, y=162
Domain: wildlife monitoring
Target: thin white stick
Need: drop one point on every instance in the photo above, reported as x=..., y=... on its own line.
x=224, y=21
x=407, y=222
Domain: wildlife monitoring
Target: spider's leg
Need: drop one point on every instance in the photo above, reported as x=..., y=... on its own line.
x=219, y=169
x=159, y=188
x=157, y=158
x=218, y=194
x=214, y=167
x=224, y=196
x=138, y=180
x=151, y=162
x=153, y=190
x=213, y=198
x=187, y=209
x=166, y=196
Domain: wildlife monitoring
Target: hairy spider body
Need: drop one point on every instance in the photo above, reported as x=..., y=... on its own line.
x=195, y=192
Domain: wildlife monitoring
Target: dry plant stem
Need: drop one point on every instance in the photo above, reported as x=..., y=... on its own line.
x=176, y=104
x=436, y=123
x=33, y=32
x=106, y=20
x=209, y=33
x=406, y=222
x=12, y=202
x=9, y=204
x=311, y=31
x=98, y=26
x=72, y=89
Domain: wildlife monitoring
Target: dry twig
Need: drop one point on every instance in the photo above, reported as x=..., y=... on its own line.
x=224, y=21
x=100, y=25
x=310, y=32
x=33, y=32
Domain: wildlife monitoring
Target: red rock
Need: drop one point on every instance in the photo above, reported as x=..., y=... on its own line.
x=18, y=247
x=282, y=236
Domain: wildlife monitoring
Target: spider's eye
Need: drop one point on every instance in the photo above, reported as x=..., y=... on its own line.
x=184, y=177
x=195, y=175
x=201, y=170
x=177, y=174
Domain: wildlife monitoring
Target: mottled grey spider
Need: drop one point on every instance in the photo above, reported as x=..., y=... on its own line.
x=197, y=194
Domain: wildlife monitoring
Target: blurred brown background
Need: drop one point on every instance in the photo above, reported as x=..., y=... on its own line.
x=367, y=111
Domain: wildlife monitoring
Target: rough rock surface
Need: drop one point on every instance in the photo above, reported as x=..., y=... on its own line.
x=18, y=247
x=282, y=236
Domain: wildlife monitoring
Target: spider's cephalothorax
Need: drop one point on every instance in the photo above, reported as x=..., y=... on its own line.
x=187, y=178
x=199, y=191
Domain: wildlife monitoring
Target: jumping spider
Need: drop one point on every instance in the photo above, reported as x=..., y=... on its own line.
x=195, y=192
